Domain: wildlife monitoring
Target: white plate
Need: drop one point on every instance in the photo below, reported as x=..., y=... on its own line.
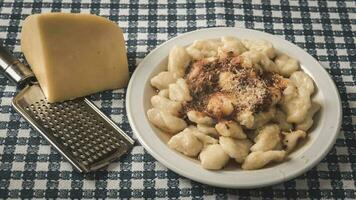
x=321, y=138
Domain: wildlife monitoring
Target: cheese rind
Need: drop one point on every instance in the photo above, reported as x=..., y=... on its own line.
x=74, y=55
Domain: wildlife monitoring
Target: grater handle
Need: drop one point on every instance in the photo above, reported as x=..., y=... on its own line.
x=13, y=69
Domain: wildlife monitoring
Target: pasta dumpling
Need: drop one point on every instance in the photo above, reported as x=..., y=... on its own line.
x=162, y=80
x=259, y=159
x=178, y=61
x=164, y=93
x=262, y=118
x=165, y=104
x=262, y=46
x=208, y=130
x=220, y=105
x=205, y=139
x=199, y=118
x=231, y=44
x=268, y=138
x=296, y=102
x=290, y=92
x=257, y=60
x=286, y=65
x=203, y=49
x=224, y=79
x=179, y=91
x=230, y=129
x=213, y=157
x=308, y=121
x=166, y=121
x=236, y=149
x=267, y=64
x=291, y=139
x=281, y=119
x=251, y=59
x=186, y=143
x=303, y=82
x=246, y=118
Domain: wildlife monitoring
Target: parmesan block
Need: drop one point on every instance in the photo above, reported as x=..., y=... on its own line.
x=74, y=55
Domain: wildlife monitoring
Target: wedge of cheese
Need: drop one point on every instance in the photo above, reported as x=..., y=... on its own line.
x=74, y=55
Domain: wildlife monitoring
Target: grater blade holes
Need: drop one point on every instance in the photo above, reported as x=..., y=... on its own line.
x=82, y=132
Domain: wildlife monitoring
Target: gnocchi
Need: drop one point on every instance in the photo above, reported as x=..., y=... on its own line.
x=262, y=46
x=268, y=138
x=230, y=129
x=205, y=139
x=308, y=121
x=259, y=159
x=166, y=121
x=203, y=49
x=209, y=130
x=297, y=97
x=231, y=44
x=246, y=119
x=262, y=118
x=163, y=103
x=236, y=149
x=286, y=65
x=164, y=93
x=178, y=61
x=281, y=119
x=199, y=118
x=220, y=105
x=232, y=99
x=291, y=139
x=251, y=59
x=186, y=142
x=213, y=157
x=162, y=80
x=179, y=91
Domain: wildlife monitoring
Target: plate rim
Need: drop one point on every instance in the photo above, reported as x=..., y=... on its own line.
x=237, y=184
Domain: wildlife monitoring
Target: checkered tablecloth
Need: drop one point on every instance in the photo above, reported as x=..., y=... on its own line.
x=30, y=168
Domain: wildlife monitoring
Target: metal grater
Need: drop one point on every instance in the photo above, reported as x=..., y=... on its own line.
x=77, y=128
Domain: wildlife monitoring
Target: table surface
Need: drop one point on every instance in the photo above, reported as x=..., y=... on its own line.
x=29, y=167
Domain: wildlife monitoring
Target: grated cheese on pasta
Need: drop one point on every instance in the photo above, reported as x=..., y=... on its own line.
x=248, y=89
